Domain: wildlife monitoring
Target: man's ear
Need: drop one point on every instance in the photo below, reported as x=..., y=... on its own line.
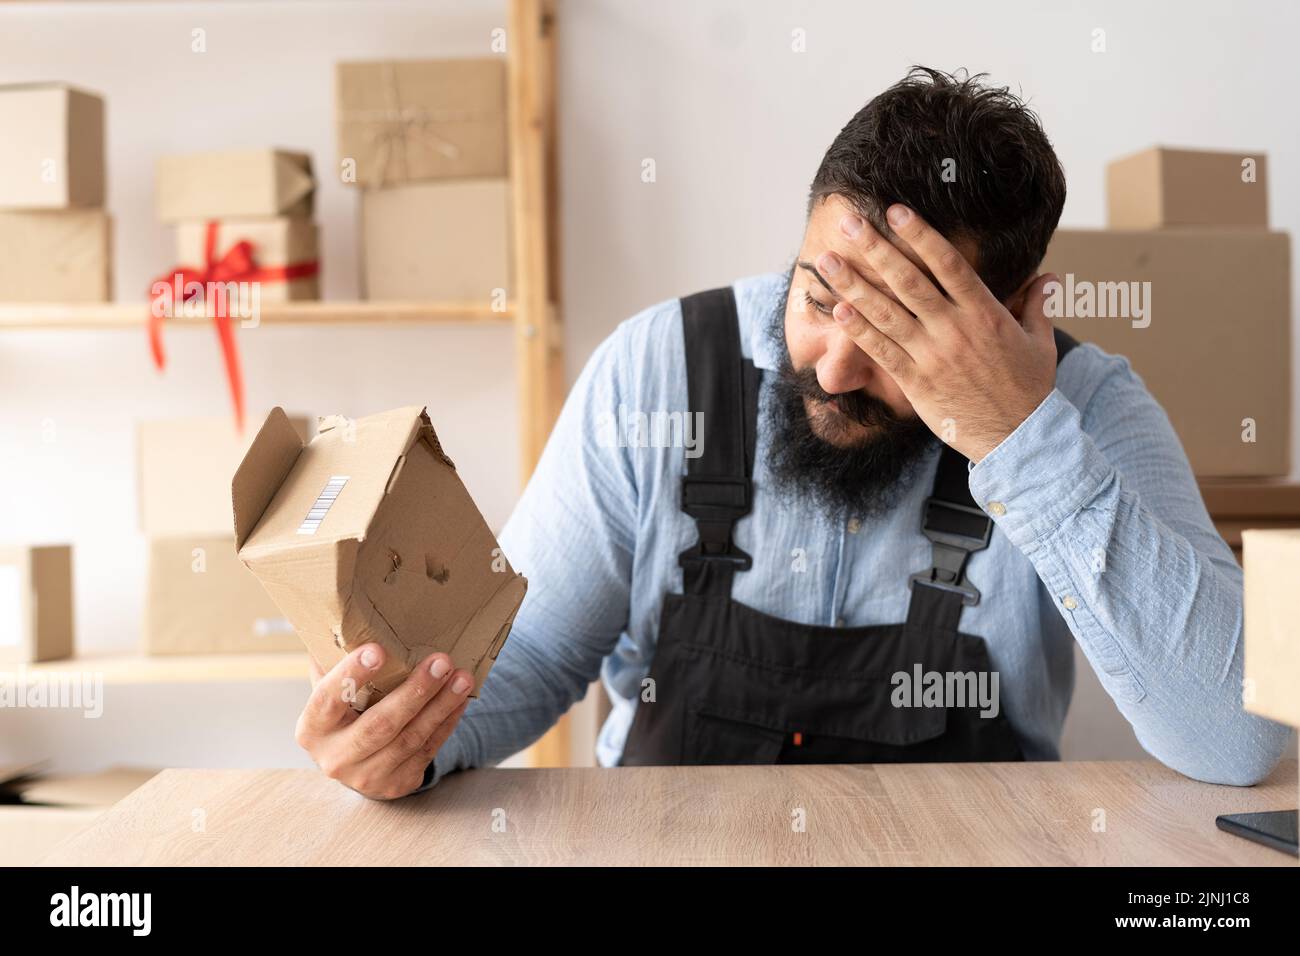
x=1015, y=302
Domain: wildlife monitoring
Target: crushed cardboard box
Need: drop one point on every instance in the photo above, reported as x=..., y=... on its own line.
x=233, y=185
x=405, y=121
x=59, y=255
x=367, y=534
x=446, y=241
x=1272, y=631
x=1204, y=317
x=1162, y=187
x=52, y=151
x=36, y=612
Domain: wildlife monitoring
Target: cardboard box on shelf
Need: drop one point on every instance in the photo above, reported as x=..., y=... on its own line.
x=275, y=243
x=52, y=151
x=202, y=600
x=368, y=534
x=237, y=184
x=183, y=473
x=56, y=256
x=402, y=121
x=441, y=241
x=1204, y=318
x=36, y=616
x=1272, y=632
x=1161, y=187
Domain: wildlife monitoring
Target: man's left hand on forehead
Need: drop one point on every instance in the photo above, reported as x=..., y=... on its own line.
x=971, y=369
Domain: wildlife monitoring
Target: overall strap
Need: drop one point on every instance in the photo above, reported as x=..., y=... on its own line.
x=717, y=489
x=957, y=528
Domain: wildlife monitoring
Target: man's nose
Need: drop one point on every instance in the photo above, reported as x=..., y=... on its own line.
x=844, y=367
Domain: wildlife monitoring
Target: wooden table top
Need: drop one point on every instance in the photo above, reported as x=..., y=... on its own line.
x=1123, y=813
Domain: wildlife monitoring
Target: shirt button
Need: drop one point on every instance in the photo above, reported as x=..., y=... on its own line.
x=997, y=509
x=1069, y=602
x=839, y=622
x=854, y=526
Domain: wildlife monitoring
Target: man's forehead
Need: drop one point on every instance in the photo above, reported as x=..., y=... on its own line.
x=823, y=234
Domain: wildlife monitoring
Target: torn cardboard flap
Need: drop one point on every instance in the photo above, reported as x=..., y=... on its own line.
x=367, y=534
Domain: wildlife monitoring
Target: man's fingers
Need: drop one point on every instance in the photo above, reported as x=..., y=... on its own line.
x=883, y=350
x=375, y=767
x=378, y=777
x=387, y=720
x=879, y=309
x=441, y=709
x=396, y=727
x=331, y=698
x=418, y=761
x=949, y=267
x=903, y=276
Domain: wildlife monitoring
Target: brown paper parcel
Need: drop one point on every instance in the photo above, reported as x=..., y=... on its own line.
x=405, y=121
x=367, y=534
x=276, y=243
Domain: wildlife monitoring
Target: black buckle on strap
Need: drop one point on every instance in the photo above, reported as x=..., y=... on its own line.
x=729, y=552
x=716, y=502
x=951, y=550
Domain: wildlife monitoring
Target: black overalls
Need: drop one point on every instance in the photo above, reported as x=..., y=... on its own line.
x=733, y=685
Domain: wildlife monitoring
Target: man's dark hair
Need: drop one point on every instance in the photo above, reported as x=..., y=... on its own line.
x=1009, y=187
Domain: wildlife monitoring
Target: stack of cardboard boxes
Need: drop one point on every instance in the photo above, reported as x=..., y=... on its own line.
x=200, y=600
x=426, y=140
x=264, y=197
x=55, y=237
x=1193, y=288
x=54, y=247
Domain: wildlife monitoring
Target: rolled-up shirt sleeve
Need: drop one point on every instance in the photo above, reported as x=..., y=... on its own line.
x=1103, y=503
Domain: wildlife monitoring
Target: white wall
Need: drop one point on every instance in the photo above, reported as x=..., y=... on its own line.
x=712, y=91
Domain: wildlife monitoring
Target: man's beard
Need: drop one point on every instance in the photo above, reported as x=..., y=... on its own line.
x=863, y=478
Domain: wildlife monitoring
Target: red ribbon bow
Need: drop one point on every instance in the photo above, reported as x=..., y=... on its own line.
x=237, y=265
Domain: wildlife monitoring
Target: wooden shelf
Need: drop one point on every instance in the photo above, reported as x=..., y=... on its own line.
x=122, y=315
x=171, y=669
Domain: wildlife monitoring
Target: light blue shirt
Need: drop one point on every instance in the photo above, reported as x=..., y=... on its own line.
x=1101, y=537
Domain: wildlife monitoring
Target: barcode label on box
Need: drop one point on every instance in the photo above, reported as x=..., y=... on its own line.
x=323, y=503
